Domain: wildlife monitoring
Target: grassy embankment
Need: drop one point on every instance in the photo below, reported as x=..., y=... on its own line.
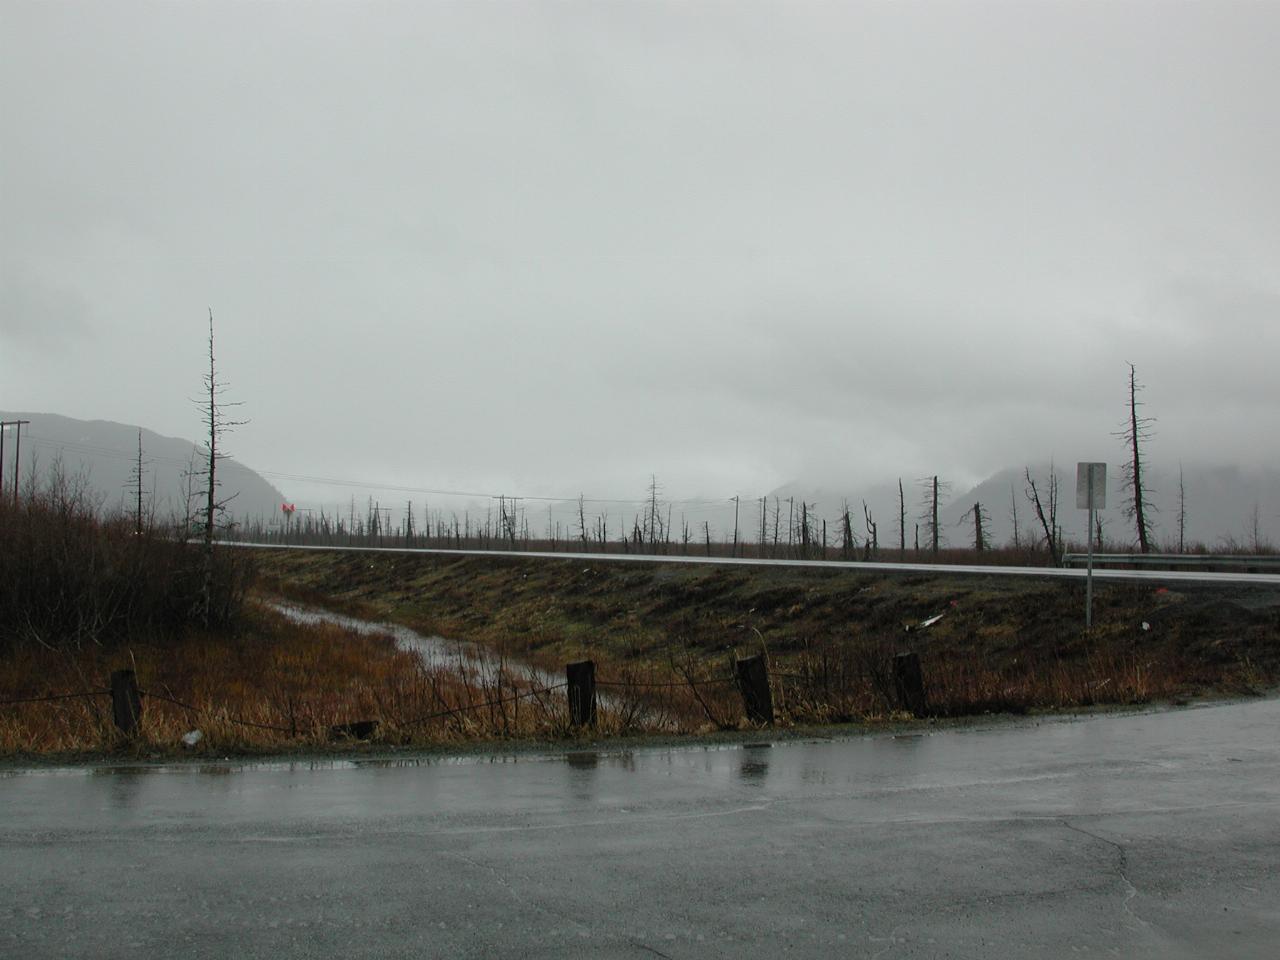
x=1002, y=644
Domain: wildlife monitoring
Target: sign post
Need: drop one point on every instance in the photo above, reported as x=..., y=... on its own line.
x=1091, y=495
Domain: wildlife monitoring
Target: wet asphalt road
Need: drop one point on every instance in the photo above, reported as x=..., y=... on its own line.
x=1153, y=835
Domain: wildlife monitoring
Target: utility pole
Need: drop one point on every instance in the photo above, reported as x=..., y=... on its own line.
x=735, y=526
x=17, y=453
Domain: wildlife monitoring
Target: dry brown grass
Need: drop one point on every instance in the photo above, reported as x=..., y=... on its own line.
x=276, y=685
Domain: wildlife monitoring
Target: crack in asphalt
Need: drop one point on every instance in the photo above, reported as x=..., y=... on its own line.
x=644, y=946
x=1121, y=870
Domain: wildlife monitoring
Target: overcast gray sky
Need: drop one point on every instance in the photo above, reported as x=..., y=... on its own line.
x=550, y=247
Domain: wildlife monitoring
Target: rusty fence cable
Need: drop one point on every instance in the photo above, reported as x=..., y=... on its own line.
x=673, y=683
x=454, y=711
x=206, y=710
x=57, y=696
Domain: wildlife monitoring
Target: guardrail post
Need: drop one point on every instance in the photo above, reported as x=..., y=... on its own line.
x=126, y=702
x=908, y=683
x=752, y=674
x=582, y=693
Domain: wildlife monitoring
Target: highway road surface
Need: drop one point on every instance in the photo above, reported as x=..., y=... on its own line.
x=937, y=569
x=1140, y=835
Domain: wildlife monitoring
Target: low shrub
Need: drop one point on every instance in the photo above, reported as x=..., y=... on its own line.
x=71, y=575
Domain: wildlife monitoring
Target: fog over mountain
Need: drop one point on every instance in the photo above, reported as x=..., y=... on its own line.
x=103, y=456
x=539, y=248
x=1222, y=504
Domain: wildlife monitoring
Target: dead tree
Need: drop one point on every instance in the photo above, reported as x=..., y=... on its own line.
x=1135, y=433
x=804, y=530
x=1046, y=509
x=136, y=474
x=902, y=521
x=764, y=522
x=933, y=491
x=847, y=542
x=216, y=422
x=980, y=518
x=1182, y=512
x=652, y=518
x=1013, y=516
x=873, y=537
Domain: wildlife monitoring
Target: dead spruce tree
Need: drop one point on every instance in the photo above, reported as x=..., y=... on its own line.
x=848, y=542
x=1013, y=516
x=981, y=521
x=902, y=521
x=136, y=474
x=1046, y=509
x=1182, y=512
x=872, y=547
x=1135, y=433
x=217, y=423
x=933, y=490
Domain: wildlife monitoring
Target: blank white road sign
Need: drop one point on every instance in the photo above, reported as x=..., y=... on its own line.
x=1091, y=486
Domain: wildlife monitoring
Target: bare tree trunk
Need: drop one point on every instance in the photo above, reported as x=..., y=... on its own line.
x=979, y=540
x=777, y=515
x=137, y=481
x=1013, y=515
x=764, y=521
x=902, y=521
x=791, y=525
x=804, y=530
x=1136, y=432
x=933, y=522
x=847, y=545
x=1182, y=512
x=1048, y=521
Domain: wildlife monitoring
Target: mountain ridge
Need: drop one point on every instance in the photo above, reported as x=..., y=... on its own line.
x=104, y=454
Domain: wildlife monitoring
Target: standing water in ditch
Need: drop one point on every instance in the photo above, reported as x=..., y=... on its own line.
x=436, y=652
x=465, y=658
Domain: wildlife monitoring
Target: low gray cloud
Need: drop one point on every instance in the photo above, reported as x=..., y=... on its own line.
x=552, y=247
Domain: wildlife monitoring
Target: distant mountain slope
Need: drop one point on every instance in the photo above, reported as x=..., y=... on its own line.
x=105, y=454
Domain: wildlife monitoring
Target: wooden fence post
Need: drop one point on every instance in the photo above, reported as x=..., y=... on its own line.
x=582, y=693
x=126, y=702
x=360, y=730
x=908, y=683
x=752, y=674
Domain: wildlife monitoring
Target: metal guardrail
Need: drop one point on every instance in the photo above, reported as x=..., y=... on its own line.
x=1260, y=563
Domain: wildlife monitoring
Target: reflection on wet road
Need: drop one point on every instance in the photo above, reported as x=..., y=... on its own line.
x=1144, y=835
